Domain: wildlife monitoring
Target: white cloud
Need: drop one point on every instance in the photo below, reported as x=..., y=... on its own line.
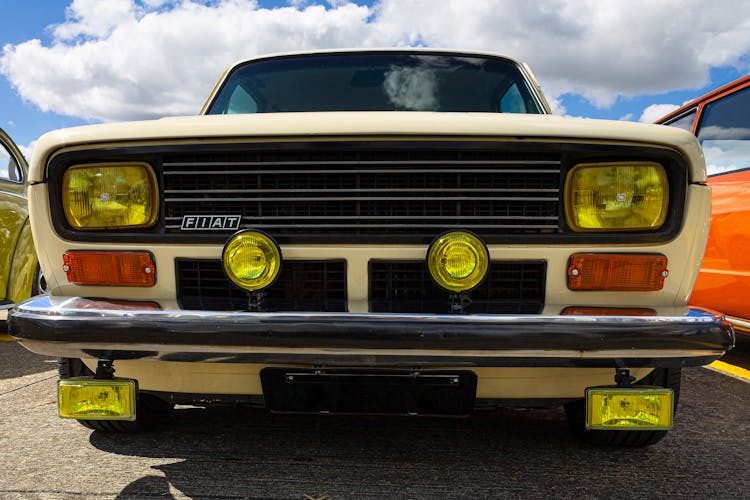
x=27, y=149
x=157, y=3
x=93, y=18
x=129, y=59
x=412, y=88
x=656, y=111
x=557, y=106
x=727, y=155
x=717, y=133
x=161, y=62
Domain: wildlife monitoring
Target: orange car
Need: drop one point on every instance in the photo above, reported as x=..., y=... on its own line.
x=721, y=120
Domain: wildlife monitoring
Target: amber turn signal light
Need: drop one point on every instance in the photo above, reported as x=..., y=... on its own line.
x=110, y=268
x=617, y=272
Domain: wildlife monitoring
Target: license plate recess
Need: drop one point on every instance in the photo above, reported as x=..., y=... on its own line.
x=374, y=392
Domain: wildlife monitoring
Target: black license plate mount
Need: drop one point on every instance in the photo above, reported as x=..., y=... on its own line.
x=373, y=392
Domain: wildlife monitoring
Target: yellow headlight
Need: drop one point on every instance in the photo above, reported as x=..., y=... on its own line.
x=458, y=261
x=85, y=398
x=109, y=196
x=616, y=196
x=252, y=260
x=629, y=409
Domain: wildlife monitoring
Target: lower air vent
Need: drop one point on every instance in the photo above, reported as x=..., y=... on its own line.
x=406, y=287
x=301, y=286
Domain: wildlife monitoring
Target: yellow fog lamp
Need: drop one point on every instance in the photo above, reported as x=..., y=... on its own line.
x=86, y=398
x=458, y=261
x=252, y=260
x=629, y=196
x=110, y=196
x=641, y=408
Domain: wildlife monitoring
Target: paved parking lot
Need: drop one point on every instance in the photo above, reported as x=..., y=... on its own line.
x=223, y=453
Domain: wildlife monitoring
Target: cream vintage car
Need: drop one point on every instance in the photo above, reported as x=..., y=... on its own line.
x=376, y=231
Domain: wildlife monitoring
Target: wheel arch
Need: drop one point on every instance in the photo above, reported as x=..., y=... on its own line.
x=23, y=267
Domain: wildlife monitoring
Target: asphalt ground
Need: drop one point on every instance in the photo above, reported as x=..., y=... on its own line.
x=246, y=453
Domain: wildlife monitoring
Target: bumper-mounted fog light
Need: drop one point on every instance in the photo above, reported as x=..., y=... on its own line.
x=86, y=398
x=636, y=409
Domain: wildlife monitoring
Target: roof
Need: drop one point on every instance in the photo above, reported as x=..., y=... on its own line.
x=724, y=89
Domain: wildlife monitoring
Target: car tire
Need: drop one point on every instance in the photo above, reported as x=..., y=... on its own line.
x=151, y=411
x=39, y=285
x=575, y=411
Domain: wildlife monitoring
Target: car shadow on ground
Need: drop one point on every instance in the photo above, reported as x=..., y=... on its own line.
x=250, y=453
x=245, y=453
x=242, y=452
x=16, y=361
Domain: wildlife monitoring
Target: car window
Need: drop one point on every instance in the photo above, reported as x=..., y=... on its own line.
x=377, y=82
x=241, y=102
x=9, y=169
x=513, y=101
x=685, y=122
x=724, y=133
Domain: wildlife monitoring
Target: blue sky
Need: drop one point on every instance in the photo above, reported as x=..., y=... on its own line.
x=20, y=22
x=130, y=59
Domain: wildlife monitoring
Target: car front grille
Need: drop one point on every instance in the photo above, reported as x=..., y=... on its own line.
x=372, y=196
x=512, y=287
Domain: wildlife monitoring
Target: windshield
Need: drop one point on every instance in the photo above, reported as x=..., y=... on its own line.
x=376, y=82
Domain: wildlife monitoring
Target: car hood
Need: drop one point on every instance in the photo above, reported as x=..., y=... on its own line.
x=372, y=125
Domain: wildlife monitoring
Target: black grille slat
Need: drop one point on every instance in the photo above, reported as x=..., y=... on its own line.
x=301, y=286
x=406, y=287
x=378, y=194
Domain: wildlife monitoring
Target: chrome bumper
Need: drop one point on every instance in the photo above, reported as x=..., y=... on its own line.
x=75, y=327
x=741, y=325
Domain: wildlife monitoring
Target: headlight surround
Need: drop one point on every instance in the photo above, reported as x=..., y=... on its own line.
x=251, y=260
x=627, y=196
x=458, y=261
x=110, y=196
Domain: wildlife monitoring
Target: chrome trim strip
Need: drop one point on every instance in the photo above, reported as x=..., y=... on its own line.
x=370, y=190
x=362, y=162
x=403, y=217
x=367, y=198
x=739, y=324
x=397, y=226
